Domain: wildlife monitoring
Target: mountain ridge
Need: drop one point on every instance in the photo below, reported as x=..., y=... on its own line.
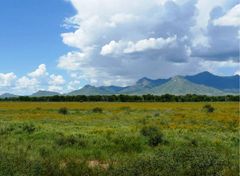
x=195, y=84
x=42, y=93
x=204, y=83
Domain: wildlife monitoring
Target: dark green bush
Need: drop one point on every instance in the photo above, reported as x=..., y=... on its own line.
x=208, y=108
x=72, y=140
x=29, y=128
x=44, y=152
x=97, y=110
x=156, y=114
x=38, y=108
x=63, y=111
x=194, y=142
x=184, y=161
x=153, y=134
x=6, y=130
x=128, y=143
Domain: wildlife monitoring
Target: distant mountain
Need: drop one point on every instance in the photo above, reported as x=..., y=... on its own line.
x=42, y=93
x=180, y=86
x=203, y=83
x=224, y=83
x=91, y=90
x=111, y=89
x=8, y=95
x=143, y=85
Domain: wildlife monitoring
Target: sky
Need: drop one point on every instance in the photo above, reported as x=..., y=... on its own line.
x=62, y=45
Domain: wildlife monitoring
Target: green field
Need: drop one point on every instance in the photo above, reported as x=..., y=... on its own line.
x=119, y=139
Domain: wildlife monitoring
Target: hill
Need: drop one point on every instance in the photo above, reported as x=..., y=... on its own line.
x=203, y=83
x=91, y=90
x=42, y=93
x=180, y=86
x=8, y=95
x=224, y=83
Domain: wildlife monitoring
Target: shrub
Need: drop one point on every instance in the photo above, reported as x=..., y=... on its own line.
x=29, y=128
x=153, y=134
x=190, y=161
x=72, y=140
x=38, y=108
x=6, y=130
x=193, y=142
x=128, y=143
x=44, y=152
x=208, y=108
x=97, y=110
x=63, y=111
x=156, y=114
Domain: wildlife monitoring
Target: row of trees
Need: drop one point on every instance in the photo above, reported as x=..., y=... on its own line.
x=127, y=98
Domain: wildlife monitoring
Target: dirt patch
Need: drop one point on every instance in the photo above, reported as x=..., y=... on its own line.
x=96, y=163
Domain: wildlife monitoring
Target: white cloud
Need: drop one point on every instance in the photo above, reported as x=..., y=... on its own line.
x=7, y=79
x=123, y=34
x=237, y=72
x=121, y=19
x=73, y=85
x=27, y=83
x=56, y=80
x=204, y=8
x=38, y=79
x=74, y=60
x=127, y=47
x=231, y=18
x=223, y=43
x=150, y=43
x=220, y=68
x=40, y=71
x=112, y=47
x=119, y=41
x=55, y=88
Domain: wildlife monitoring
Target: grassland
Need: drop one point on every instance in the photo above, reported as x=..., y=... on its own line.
x=119, y=139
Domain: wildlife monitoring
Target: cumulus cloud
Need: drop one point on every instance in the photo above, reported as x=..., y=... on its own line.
x=112, y=38
x=122, y=47
x=56, y=83
x=220, y=68
x=56, y=80
x=7, y=79
x=40, y=71
x=223, y=40
x=231, y=18
x=73, y=85
x=27, y=83
x=74, y=60
x=39, y=79
x=119, y=41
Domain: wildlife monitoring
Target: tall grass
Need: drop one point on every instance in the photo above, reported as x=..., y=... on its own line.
x=124, y=139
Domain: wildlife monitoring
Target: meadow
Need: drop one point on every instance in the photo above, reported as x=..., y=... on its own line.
x=125, y=139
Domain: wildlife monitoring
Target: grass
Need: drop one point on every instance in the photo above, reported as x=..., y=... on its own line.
x=119, y=139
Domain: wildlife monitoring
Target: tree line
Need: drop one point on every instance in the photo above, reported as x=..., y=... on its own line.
x=127, y=98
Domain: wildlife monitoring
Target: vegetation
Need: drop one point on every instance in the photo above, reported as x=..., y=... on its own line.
x=97, y=110
x=154, y=135
x=119, y=139
x=208, y=108
x=127, y=98
x=63, y=111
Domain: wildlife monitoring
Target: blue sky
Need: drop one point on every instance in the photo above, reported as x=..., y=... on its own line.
x=30, y=33
x=61, y=45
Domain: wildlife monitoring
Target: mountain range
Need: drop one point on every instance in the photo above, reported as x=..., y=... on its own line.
x=204, y=83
